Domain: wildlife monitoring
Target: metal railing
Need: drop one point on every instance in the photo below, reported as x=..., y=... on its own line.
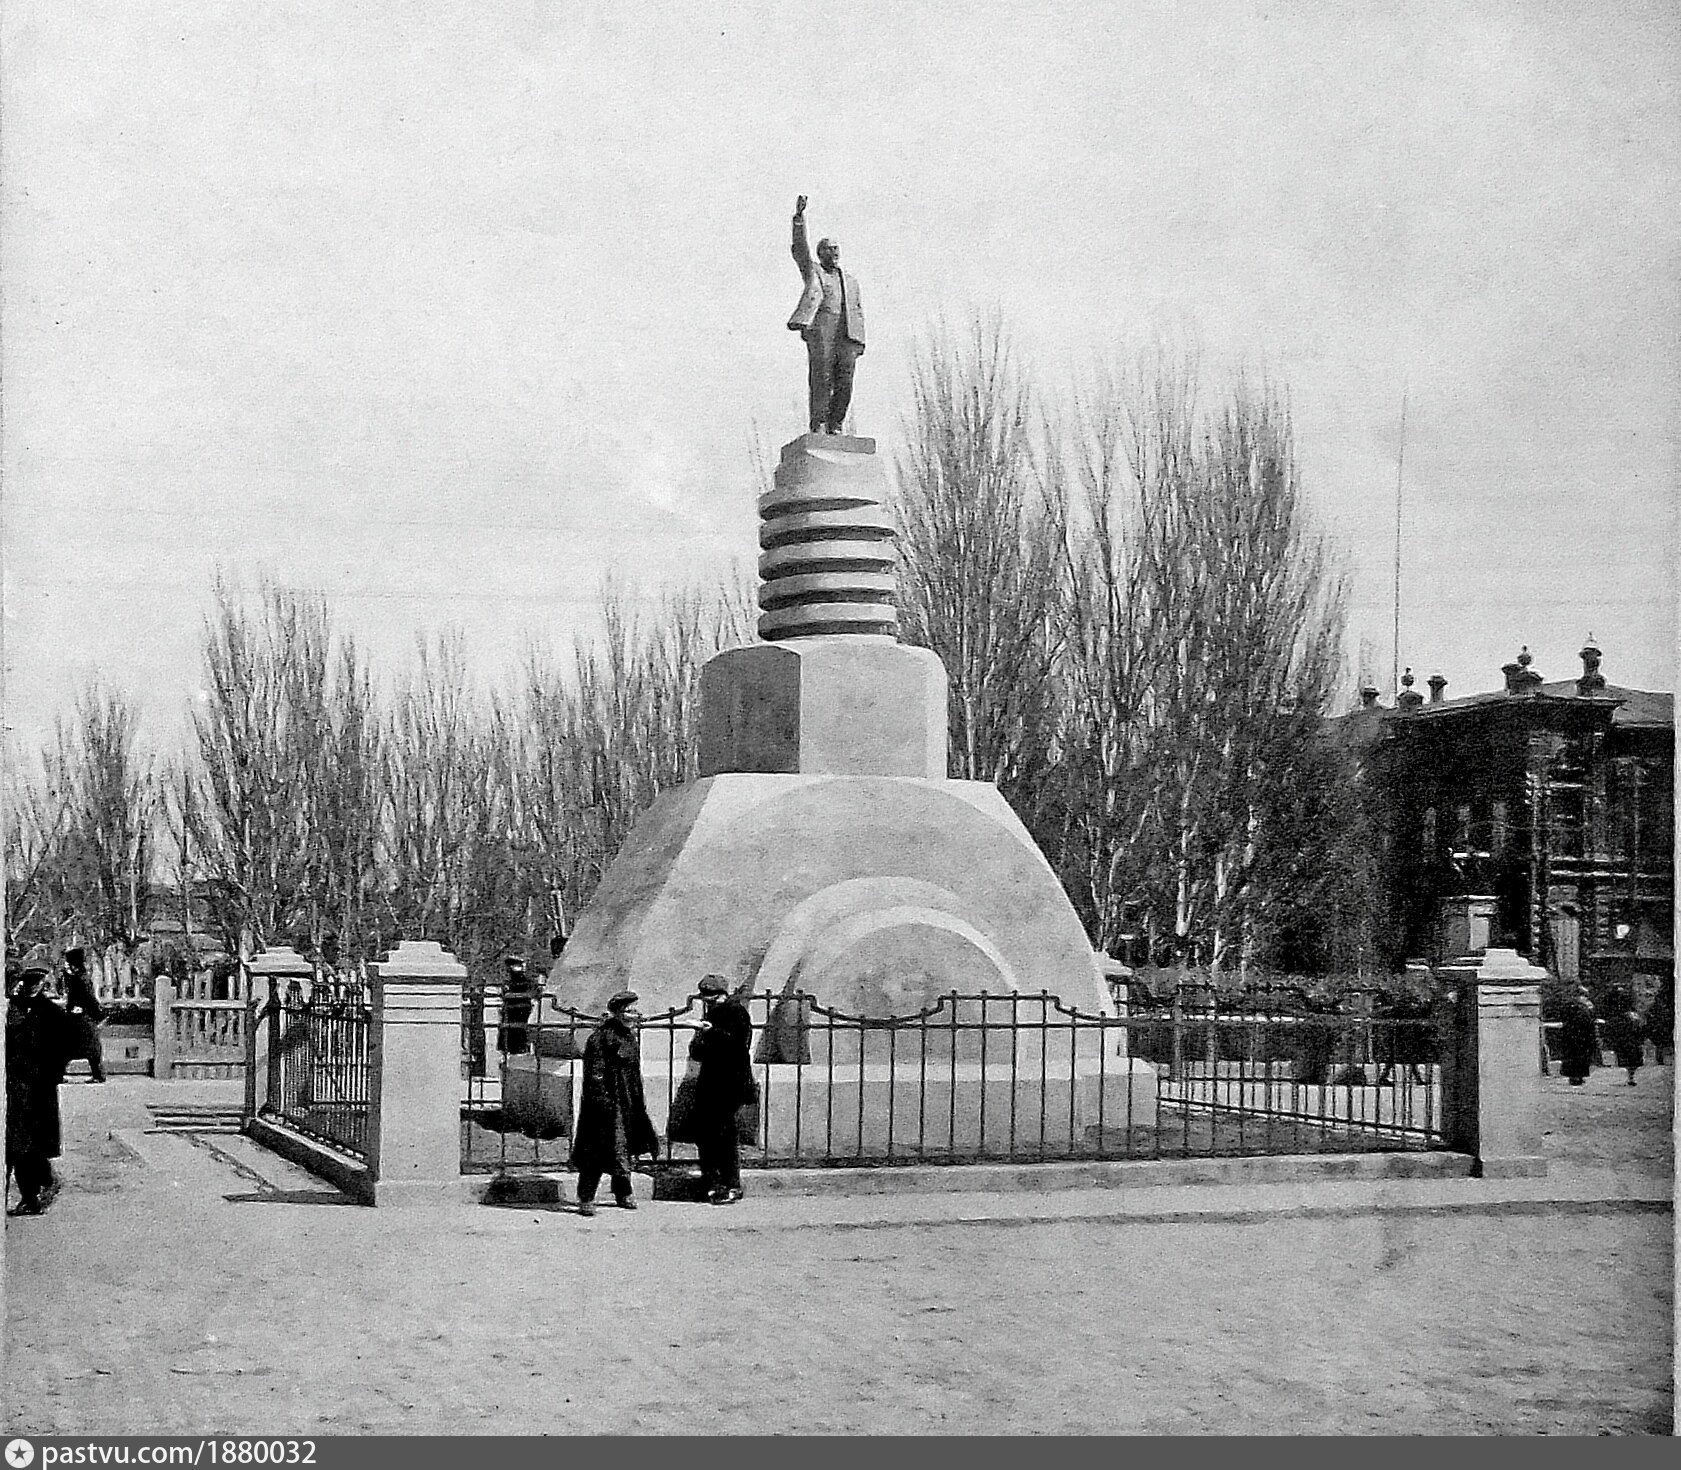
x=970, y=1077
x=318, y=1069
x=1355, y=1059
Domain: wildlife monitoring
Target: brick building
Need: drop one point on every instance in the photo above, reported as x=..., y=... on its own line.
x=1539, y=815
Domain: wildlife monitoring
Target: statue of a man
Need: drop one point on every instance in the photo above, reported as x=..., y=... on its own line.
x=831, y=319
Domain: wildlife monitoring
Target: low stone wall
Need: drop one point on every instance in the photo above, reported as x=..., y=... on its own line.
x=340, y=1170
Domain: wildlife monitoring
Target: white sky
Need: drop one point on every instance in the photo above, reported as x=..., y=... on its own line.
x=443, y=308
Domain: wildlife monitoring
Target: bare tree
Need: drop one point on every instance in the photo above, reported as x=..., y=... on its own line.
x=447, y=870
x=620, y=724
x=280, y=815
x=1207, y=631
x=1124, y=468
x=980, y=577
x=37, y=893
x=80, y=842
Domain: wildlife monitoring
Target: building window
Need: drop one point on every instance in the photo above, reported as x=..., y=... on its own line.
x=1567, y=823
x=1462, y=829
x=1498, y=829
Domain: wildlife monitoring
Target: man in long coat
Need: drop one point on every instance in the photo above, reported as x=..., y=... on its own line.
x=1626, y=1033
x=613, y=1123
x=1579, y=1038
x=722, y=1045
x=830, y=318
x=38, y=1045
x=85, y=1013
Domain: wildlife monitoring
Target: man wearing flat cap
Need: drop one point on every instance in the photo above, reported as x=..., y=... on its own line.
x=613, y=1123
x=38, y=1046
x=722, y=1045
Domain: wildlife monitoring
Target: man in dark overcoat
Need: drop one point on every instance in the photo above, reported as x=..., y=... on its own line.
x=85, y=1013
x=1626, y=1033
x=613, y=1123
x=722, y=1045
x=1579, y=1038
x=38, y=1045
x=1660, y=1020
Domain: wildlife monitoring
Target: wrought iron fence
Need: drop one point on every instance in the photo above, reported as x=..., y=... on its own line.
x=318, y=1069
x=1359, y=1064
x=970, y=1077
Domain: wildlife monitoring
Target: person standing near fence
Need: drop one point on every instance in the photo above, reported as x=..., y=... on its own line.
x=85, y=1013
x=519, y=994
x=1404, y=1035
x=1626, y=1034
x=613, y=1123
x=1660, y=1021
x=722, y=1046
x=38, y=1046
x=1578, y=1038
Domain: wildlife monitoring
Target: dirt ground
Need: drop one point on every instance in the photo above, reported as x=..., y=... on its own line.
x=169, y=1293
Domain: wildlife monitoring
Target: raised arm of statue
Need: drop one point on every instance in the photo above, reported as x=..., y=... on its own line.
x=802, y=251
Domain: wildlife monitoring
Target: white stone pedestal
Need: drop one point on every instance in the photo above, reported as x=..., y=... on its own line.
x=414, y=1068
x=1491, y=1092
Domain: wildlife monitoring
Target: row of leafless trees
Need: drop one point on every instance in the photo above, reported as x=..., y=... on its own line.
x=311, y=804
x=1143, y=630
x=1141, y=626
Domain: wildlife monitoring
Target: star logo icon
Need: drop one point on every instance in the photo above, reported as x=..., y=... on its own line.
x=20, y=1454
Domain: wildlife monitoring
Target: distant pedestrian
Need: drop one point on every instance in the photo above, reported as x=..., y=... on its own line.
x=38, y=1044
x=1660, y=1021
x=519, y=994
x=613, y=1123
x=1404, y=1035
x=1579, y=1038
x=85, y=1013
x=1626, y=1034
x=722, y=1046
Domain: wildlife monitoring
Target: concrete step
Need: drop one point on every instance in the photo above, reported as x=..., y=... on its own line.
x=195, y=1117
x=683, y=1183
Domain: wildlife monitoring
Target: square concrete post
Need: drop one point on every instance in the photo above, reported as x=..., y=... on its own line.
x=271, y=972
x=414, y=1076
x=1491, y=1093
x=163, y=1028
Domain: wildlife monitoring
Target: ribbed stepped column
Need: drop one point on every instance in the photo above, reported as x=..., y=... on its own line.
x=828, y=543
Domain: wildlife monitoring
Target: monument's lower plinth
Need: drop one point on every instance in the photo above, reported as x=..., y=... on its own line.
x=874, y=894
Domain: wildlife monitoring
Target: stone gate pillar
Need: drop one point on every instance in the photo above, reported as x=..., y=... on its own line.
x=414, y=1076
x=271, y=972
x=1490, y=1033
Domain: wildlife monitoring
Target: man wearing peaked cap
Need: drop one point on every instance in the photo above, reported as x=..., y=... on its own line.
x=725, y=1084
x=613, y=1123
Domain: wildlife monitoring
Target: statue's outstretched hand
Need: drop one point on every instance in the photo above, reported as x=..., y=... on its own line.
x=799, y=207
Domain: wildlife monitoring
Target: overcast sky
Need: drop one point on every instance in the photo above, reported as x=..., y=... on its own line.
x=445, y=308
